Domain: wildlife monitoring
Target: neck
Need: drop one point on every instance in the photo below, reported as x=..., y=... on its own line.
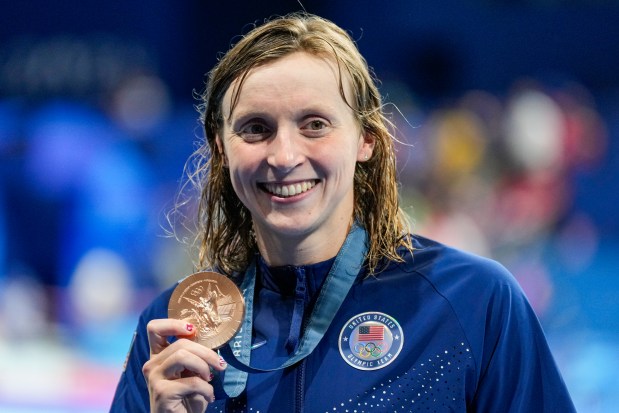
x=304, y=249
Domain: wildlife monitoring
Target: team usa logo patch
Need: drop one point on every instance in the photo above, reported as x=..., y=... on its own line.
x=370, y=341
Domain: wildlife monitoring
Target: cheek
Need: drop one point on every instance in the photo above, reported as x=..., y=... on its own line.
x=239, y=156
x=239, y=173
x=339, y=163
x=243, y=164
x=241, y=184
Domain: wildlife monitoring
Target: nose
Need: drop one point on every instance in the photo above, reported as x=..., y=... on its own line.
x=285, y=151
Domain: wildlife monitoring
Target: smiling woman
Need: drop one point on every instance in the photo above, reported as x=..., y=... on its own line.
x=331, y=49
x=291, y=128
x=299, y=207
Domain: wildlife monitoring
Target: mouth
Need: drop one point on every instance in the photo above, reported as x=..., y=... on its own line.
x=287, y=191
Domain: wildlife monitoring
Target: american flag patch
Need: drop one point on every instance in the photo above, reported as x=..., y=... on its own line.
x=370, y=340
x=371, y=333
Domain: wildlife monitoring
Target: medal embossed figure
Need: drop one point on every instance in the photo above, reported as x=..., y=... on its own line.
x=211, y=302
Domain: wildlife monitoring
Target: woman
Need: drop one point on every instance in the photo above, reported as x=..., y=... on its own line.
x=347, y=312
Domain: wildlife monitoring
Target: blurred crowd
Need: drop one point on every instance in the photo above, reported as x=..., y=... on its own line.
x=88, y=172
x=495, y=175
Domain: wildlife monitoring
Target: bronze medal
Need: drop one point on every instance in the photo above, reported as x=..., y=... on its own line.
x=212, y=303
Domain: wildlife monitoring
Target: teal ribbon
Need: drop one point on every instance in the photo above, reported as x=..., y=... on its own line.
x=338, y=282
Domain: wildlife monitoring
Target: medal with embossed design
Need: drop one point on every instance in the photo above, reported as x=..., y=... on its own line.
x=211, y=302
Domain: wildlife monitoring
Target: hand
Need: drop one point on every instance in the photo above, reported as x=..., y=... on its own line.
x=178, y=374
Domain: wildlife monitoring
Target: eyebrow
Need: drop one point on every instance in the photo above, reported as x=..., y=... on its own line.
x=320, y=109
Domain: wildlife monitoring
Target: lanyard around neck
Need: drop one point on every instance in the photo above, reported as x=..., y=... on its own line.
x=339, y=280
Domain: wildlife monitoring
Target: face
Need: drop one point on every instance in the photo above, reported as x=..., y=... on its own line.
x=291, y=145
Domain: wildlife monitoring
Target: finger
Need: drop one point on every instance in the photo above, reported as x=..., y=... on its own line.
x=182, y=361
x=160, y=329
x=180, y=356
x=183, y=388
x=196, y=403
x=209, y=356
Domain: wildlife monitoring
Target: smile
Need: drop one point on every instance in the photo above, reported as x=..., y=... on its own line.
x=286, y=191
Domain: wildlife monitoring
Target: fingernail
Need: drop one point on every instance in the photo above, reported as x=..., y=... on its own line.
x=211, y=377
x=222, y=362
x=189, y=327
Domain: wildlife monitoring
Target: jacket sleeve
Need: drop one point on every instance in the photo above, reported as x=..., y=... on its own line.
x=132, y=394
x=517, y=372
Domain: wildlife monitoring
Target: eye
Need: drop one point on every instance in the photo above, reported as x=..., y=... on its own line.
x=316, y=127
x=254, y=131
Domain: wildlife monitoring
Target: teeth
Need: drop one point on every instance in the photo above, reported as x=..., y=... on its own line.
x=285, y=191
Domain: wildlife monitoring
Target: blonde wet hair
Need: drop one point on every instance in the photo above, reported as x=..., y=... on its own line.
x=224, y=235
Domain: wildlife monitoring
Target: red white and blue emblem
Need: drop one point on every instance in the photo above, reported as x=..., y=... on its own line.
x=370, y=341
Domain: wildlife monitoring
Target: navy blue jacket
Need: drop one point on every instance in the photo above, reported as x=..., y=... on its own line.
x=444, y=331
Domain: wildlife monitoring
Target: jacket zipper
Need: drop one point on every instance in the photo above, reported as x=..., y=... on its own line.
x=300, y=388
x=299, y=404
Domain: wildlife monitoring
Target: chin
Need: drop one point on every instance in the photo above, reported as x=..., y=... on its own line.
x=289, y=227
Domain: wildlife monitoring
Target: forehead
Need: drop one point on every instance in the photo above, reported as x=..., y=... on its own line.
x=295, y=78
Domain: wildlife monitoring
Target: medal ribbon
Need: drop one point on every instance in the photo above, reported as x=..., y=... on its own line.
x=339, y=280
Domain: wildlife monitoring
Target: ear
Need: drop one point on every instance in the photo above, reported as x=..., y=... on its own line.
x=366, y=147
x=220, y=149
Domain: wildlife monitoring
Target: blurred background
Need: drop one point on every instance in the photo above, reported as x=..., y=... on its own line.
x=507, y=113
